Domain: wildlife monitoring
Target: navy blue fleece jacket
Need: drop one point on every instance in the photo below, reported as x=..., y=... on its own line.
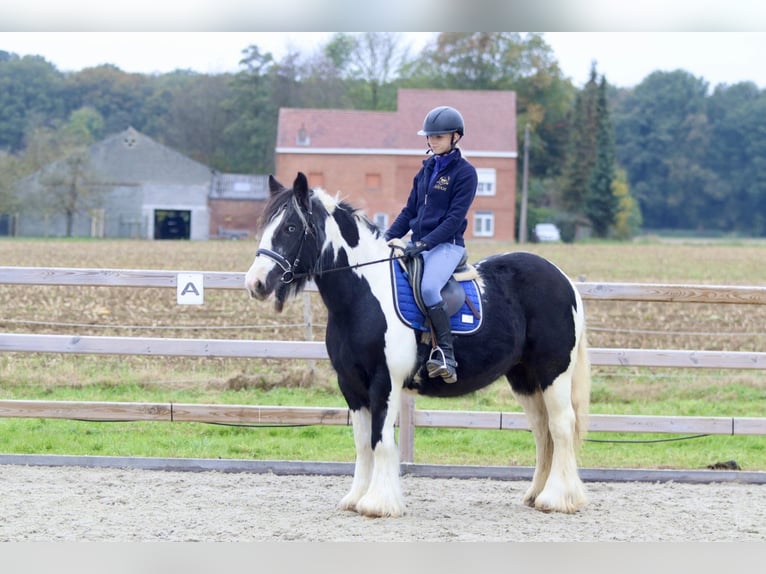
x=436, y=209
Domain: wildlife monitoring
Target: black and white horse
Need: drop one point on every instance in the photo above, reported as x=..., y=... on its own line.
x=533, y=332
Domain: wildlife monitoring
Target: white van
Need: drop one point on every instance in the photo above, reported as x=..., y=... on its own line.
x=547, y=232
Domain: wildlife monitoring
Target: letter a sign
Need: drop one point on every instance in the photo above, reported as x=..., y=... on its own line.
x=189, y=289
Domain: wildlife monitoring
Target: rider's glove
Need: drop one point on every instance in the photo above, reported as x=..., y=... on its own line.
x=415, y=249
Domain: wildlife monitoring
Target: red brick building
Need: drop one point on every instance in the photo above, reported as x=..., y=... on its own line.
x=371, y=158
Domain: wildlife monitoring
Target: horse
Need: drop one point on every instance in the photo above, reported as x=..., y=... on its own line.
x=533, y=333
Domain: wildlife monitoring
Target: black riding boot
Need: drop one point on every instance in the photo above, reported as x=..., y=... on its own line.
x=442, y=362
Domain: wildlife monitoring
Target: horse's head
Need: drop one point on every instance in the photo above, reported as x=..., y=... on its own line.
x=289, y=244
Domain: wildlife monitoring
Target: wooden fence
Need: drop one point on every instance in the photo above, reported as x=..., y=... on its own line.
x=410, y=417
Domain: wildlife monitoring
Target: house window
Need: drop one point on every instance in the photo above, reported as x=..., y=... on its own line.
x=484, y=224
x=316, y=180
x=486, y=185
x=372, y=181
x=381, y=220
x=303, y=137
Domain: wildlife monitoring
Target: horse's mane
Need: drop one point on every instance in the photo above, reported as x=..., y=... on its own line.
x=279, y=201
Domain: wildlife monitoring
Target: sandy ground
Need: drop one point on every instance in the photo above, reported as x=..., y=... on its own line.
x=104, y=504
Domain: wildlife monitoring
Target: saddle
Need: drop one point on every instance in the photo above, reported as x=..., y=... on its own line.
x=461, y=294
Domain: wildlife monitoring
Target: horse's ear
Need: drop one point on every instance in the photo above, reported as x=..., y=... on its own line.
x=302, y=191
x=274, y=186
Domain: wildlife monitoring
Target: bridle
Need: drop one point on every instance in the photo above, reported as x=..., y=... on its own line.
x=288, y=269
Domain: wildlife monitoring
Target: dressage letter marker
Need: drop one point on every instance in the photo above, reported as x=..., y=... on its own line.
x=190, y=289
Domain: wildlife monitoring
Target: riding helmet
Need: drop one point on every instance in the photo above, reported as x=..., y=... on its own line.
x=442, y=120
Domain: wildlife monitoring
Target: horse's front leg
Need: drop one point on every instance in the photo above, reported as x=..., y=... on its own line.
x=362, y=425
x=384, y=494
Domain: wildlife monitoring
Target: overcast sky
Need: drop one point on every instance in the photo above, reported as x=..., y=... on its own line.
x=625, y=58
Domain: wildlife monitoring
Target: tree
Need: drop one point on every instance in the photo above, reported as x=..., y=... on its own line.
x=662, y=132
x=582, y=146
x=523, y=63
x=369, y=63
x=67, y=189
x=118, y=96
x=31, y=94
x=188, y=115
x=68, y=186
x=600, y=202
x=628, y=218
x=250, y=139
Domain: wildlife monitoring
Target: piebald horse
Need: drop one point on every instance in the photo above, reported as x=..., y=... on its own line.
x=533, y=333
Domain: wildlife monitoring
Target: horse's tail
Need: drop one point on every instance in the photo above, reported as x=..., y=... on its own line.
x=581, y=387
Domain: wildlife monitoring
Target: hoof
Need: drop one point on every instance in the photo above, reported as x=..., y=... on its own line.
x=379, y=509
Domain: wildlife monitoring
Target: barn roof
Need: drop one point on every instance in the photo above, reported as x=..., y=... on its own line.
x=490, y=120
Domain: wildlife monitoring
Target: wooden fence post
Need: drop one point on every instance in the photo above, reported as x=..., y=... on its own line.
x=308, y=320
x=407, y=428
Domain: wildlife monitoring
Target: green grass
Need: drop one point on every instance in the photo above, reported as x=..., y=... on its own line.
x=329, y=443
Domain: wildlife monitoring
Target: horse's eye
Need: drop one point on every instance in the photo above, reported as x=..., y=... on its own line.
x=291, y=228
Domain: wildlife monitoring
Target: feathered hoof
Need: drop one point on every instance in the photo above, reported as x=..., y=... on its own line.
x=375, y=508
x=567, y=504
x=349, y=502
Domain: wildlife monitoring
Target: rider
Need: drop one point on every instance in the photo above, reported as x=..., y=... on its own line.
x=435, y=212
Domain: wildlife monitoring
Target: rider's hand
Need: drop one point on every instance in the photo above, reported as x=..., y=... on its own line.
x=415, y=249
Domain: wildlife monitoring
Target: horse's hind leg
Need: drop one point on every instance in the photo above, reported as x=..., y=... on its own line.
x=563, y=491
x=362, y=425
x=534, y=409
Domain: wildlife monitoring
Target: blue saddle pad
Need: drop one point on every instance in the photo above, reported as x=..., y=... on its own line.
x=463, y=321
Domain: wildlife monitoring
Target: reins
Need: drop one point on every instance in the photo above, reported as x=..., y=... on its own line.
x=289, y=275
x=288, y=269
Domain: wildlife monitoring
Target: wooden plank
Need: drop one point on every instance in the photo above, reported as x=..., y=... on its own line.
x=749, y=426
x=89, y=411
x=515, y=421
x=262, y=349
x=260, y=415
x=114, y=277
x=162, y=346
x=290, y=415
x=737, y=294
x=457, y=419
x=661, y=424
x=667, y=293
x=677, y=358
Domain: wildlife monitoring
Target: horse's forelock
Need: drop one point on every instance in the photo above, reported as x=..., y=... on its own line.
x=274, y=207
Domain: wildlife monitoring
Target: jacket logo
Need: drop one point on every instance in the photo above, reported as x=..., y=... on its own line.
x=442, y=183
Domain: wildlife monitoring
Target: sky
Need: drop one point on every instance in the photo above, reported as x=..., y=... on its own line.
x=625, y=58
x=721, y=42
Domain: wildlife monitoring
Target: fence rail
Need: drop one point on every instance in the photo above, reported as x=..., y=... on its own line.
x=655, y=292
x=410, y=418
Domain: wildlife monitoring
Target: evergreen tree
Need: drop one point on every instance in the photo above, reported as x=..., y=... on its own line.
x=581, y=149
x=600, y=201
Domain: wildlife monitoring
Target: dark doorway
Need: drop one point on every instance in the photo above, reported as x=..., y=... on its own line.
x=6, y=224
x=172, y=224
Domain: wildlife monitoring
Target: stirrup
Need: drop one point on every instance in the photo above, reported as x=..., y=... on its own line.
x=441, y=368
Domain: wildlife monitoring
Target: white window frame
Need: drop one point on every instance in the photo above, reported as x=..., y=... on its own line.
x=487, y=184
x=381, y=220
x=484, y=224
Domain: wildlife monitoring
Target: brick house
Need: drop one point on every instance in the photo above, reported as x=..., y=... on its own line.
x=370, y=158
